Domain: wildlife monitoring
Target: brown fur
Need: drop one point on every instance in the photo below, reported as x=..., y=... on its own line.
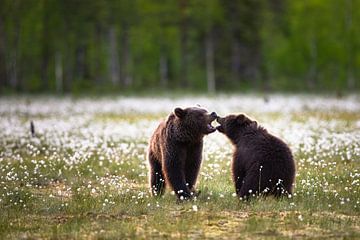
x=262, y=163
x=175, y=151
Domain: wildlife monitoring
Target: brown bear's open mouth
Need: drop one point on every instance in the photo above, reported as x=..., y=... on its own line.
x=211, y=118
x=210, y=128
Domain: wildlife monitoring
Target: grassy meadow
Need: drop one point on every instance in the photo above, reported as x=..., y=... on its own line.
x=83, y=175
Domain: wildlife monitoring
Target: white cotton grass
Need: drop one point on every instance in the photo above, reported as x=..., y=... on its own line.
x=106, y=139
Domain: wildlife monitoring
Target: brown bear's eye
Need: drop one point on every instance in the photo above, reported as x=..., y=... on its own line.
x=199, y=115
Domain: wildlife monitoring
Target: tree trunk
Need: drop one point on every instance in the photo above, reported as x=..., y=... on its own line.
x=311, y=79
x=80, y=63
x=350, y=45
x=45, y=49
x=114, y=68
x=12, y=67
x=68, y=65
x=252, y=63
x=3, y=77
x=59, y=72
x=68, y=55
x=163, y=70
x=97, y=60
x=68, y=74
x=235, y=61
x=183, y=4
x=210, y=69
x=126, y=57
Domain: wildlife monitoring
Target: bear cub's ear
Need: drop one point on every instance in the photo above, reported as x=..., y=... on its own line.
x=244, y=120
x=179, y=112
x=241, y=119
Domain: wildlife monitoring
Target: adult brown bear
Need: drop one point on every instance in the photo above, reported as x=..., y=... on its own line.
x=175, y=150
x=262, y=163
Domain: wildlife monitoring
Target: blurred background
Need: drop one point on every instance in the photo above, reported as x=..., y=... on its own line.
x=96, y=46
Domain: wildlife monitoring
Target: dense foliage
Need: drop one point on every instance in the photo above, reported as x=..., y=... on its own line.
x=79, y=45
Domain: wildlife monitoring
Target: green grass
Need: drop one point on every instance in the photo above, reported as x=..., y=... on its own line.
x=43, y=196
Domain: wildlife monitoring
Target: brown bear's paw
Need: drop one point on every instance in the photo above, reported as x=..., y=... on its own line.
x=185, y=196
x=195, y=194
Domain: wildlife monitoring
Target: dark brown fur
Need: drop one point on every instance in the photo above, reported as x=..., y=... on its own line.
x=262, y=163
x=175, y=151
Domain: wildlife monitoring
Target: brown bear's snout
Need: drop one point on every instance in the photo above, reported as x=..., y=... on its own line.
x=214, y=115
x=210, y=118
x=220, y=120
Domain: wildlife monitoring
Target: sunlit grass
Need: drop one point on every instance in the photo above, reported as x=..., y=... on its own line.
x=84, y=174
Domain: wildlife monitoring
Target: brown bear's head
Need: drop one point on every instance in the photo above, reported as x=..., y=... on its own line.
x=233, y=125
x=195, y=119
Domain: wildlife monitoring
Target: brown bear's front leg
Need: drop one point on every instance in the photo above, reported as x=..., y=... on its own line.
x=238, y=176
x=157, y=179
x=250, y=184
x=174, y=163
x=192, y=166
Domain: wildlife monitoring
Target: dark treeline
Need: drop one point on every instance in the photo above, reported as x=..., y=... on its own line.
x=205, y=45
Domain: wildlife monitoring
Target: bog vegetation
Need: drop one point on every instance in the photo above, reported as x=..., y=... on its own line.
x=83, y=171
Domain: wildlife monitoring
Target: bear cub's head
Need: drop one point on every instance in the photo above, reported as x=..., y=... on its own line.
x=196, y=119
x=233, y=125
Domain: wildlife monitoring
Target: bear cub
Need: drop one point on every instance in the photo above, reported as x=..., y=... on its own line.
x=175, y=151
x=262, y=163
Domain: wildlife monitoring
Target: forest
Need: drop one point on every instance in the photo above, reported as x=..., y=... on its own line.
x=69, y=46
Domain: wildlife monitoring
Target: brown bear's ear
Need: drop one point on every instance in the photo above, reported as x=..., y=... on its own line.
x=241, y=118
x=254, y=124
x=179, y=112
